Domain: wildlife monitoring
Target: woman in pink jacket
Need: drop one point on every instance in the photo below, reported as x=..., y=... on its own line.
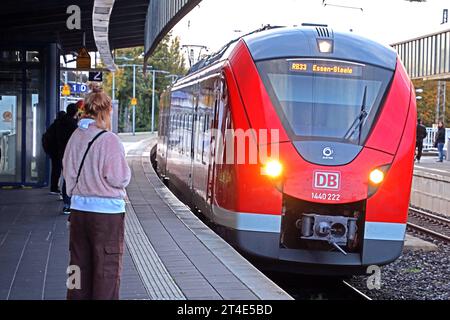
x=96, y=174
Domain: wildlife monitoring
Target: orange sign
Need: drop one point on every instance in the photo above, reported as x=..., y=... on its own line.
x=83, y=59
x=134, y=102
x=65, y=90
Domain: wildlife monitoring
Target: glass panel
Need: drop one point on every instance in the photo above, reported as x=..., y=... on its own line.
x=33, y=56
x=35, y=156
x=10, y=124
x=9, y=56
x=326, y=99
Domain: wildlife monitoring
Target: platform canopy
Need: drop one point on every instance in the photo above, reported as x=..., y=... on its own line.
x=130, y=22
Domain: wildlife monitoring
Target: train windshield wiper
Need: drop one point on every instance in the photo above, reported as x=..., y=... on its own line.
x=359, y=121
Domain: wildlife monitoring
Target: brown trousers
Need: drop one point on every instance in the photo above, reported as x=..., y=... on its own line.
x=96, y=247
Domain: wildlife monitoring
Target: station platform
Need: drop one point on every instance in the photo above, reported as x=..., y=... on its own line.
x=429, y=164
x=170, y=254
x=431, y=186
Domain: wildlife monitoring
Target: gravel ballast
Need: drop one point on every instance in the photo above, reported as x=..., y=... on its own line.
x=417, y=275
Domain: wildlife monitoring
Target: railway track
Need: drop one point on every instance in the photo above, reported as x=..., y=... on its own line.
x=358, y=293
x=308, y=287
x=429, y=224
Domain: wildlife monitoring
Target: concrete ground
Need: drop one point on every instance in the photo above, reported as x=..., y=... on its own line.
x=415, y=244
x=429, y=164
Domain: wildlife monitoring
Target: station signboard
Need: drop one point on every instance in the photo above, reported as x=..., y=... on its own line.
x=96, y=76
x=77, y=88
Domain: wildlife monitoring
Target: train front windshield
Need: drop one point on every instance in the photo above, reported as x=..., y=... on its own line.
x=325, y=99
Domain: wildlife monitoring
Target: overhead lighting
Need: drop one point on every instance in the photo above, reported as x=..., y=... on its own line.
x=325, y=46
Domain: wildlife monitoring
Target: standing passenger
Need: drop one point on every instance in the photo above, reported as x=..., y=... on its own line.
x=440, y=140
x=50, y=147
x=97, y=187
x=421, y=135
x=64, y=130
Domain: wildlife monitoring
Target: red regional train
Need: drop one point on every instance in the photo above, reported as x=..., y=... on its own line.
x=339, y=112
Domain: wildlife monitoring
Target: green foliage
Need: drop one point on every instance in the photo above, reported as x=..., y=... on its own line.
x=426, y=107
x=167, y=57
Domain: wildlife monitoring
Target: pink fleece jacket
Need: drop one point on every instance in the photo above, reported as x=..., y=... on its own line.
x=105, y=173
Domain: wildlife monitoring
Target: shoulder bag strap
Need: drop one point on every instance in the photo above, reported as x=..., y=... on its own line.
x=85, y=155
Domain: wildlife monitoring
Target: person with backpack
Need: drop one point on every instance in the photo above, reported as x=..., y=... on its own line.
x=421, y=135
x=50, y=147
x=96, y=173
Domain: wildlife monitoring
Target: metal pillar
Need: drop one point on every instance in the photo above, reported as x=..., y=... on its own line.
x=441, y=101
x=153, y=101
x=134, y=96
x=113, y=86
x=65, y=97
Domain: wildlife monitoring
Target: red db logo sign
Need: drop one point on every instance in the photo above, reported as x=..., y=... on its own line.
x=327, y=180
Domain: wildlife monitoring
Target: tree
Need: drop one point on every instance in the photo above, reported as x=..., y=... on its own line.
x=426, y=107
x=167, y=57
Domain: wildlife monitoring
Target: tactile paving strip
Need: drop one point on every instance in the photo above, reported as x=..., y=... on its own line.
x=157, y=280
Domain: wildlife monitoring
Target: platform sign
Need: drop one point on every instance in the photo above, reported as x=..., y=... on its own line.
x=96, y=76
x=65, y=90
x=83, y=59
x=72, y=87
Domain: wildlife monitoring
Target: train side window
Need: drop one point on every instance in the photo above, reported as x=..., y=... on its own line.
x=171, y=132
x=182, y=132
x=205, y=129
x=191, y=133
x=178, y=132
x=186, y=135
x=198, y=138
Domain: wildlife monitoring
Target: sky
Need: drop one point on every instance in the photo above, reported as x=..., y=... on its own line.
x=213, y=23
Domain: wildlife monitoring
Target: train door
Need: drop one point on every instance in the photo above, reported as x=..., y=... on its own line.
x=163, y=135
x=216, y=126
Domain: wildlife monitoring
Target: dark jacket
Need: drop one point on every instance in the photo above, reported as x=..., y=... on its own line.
x=440, y=137
x=421, y=132
x=49, y=140
x=63, y=130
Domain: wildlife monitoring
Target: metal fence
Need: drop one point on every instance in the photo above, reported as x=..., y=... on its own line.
x=426, y=56
x=428, y=144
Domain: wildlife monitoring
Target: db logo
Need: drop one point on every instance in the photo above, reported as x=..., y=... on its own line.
x=327, y=180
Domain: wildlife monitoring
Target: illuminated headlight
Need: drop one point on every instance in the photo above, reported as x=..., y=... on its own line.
x=325, y=46
x=272, y=168
x=376, y=176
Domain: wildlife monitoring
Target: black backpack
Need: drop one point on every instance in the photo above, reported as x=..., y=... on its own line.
x=49, y=140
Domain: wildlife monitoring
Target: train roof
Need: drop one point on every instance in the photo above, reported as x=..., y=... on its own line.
x=274, y=42
x=303, y=42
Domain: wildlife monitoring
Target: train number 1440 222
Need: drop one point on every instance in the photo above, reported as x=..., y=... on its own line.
x=326, y=196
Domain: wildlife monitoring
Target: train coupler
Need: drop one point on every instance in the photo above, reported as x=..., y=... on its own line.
x=337, y=231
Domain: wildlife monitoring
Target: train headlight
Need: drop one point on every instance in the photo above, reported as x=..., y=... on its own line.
x=272, y=168
x=325, y=46
x=377, y=176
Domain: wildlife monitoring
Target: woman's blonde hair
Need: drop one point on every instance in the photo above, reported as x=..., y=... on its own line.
x=98, y=105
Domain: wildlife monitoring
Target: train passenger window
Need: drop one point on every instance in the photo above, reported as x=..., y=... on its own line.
x=205, y=139
x=319, y=99
x=199, y=133
x=171, y=125
x=179, y=132
x=190, y=119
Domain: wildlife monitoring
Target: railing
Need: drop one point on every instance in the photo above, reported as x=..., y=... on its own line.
x=428, y=143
